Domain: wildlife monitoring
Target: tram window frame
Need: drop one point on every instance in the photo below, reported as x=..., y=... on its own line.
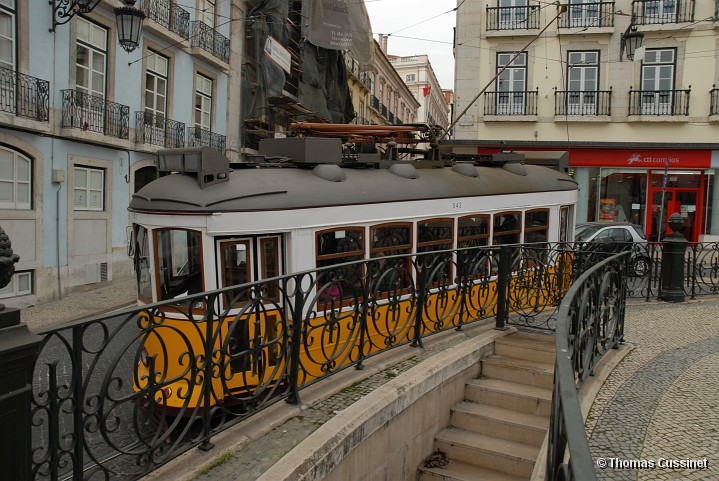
x=142, y=262
x=506, y=233
x=536, y=228
x=322, y=259
x=474, y=265
x=392, y=250
x=180, y=284
x=272, y=291
x=536, y=251
x=248, y=269
x=437, y=245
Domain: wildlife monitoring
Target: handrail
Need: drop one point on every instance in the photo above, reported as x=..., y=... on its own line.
x=591, y=316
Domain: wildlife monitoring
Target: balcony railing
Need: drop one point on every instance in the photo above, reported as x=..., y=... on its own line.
x=23, y=95
x=95, y=114
x=209, y=40
x=198, y=137
x=575, y=102
x=352, y=65
x=659, y=102
x=374, y=103
x=159, y=130
x=714, y=105
x=652, y=12
x=523, y=102
x=383, y=110
x=585, y=15
x=169, y=15
x=360, y=121
x=513, y=18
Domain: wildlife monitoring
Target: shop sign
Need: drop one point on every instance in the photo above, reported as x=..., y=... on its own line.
x=642, y=158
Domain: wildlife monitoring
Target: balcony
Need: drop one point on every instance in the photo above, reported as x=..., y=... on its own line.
x=198, y=137
x=159, y=130
x=209, y=40
x=374, y=103
x=23, y=95
x=587, y=15
x=383, y=110
x=167, y=14
x=583, y=103
x=360, y=121
x=659, y=12
x=714, y=103
x=659, y=102
x=522, y=102
x=95, y=114
x=513, y=18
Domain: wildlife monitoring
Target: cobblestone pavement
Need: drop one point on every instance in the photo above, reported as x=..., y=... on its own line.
x=662, y=401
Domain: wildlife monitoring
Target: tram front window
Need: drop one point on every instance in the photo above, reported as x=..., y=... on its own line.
x=179, y=263
x=142, y=264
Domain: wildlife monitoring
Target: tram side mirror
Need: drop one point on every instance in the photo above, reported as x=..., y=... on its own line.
x=131, y=241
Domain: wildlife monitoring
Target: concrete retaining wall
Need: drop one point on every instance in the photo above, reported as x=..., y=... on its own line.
x=388, y=433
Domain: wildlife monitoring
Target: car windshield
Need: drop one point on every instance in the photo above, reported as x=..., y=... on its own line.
x=585, y=231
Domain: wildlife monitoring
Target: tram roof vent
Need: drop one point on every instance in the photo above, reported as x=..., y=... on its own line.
x=208, y=165
x=304, y=150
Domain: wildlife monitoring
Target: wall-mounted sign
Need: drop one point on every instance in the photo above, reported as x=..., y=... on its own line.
x=278, y=54
x=641, y=158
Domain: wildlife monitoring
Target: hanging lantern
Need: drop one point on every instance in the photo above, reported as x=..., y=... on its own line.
x=631, y=40
x=129, y=25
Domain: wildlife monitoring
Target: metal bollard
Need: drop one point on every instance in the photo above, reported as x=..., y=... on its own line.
x=672, y=273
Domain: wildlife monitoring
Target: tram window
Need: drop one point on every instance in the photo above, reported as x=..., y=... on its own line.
x=506, y=228
x=436, y=235
x=564, y=224
x=536, y=226
x=179, y=262
x=236, y=269
x=338, y=246
x=390, y=240
x=270, y=252
x=473, y=231
x=141, y=260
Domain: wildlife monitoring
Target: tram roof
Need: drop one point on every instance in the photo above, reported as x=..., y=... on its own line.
x=266, y=189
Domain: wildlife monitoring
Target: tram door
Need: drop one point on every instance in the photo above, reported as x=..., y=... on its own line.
x=251, y=329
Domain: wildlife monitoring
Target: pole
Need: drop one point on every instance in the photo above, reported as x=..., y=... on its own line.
x=661, y=207
x=562, y=9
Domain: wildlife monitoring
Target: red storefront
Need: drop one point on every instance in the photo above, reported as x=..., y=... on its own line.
x=629, y=185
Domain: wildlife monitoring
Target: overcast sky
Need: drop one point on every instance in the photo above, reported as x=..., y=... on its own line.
x=431, y=34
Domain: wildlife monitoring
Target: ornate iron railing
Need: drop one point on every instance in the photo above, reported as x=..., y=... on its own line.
x=651, y=12
x=383, y=110
x=714, y=101
x=159, y=130
x=23, y=95
x=522, y=102
x=587, y=15
x=513, y=18
x=659, y=102
x=95, y=114
x=169, y=15
x=575, y=102
x=210, y=40
x=197, y=137
x=374, y=103
x=120, y=394
x=590, y=323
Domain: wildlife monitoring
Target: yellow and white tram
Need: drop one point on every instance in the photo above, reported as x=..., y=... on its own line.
x=205, y=224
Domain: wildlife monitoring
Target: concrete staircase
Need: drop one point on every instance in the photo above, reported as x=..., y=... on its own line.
x=497, y=431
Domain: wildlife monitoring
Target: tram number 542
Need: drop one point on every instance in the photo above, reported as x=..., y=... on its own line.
x=456, y=205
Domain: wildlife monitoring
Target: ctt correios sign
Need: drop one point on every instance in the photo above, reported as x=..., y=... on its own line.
x=644, y=158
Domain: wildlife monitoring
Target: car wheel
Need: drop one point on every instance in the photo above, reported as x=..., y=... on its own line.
x=640, y=266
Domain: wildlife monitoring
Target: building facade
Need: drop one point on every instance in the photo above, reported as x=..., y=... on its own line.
x=416, y=71
x=81, y=119
x=641, y=135
x=391, y=101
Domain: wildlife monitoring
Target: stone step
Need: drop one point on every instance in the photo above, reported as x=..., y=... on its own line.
x=518, y=370
x=456, y=471
x=520, y=397
x=537, y=348
x=500, y=422
x=508, y=457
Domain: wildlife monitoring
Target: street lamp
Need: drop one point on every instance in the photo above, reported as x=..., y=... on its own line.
x=129, y=18
x=631, y=40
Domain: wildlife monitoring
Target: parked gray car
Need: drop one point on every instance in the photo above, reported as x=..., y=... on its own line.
x=607, y=237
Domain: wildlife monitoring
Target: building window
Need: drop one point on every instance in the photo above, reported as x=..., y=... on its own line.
x=15, y=180
x=90, y=58
x=582, y=82
x=584, y=13
x=19, y=285
x=512, y=14
x=410, y=77
x=7, y=34
x=156, y=84
x=206, y=11
x=658, y=81
x=203, y=102
x=511, y=84
x=89, y=188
